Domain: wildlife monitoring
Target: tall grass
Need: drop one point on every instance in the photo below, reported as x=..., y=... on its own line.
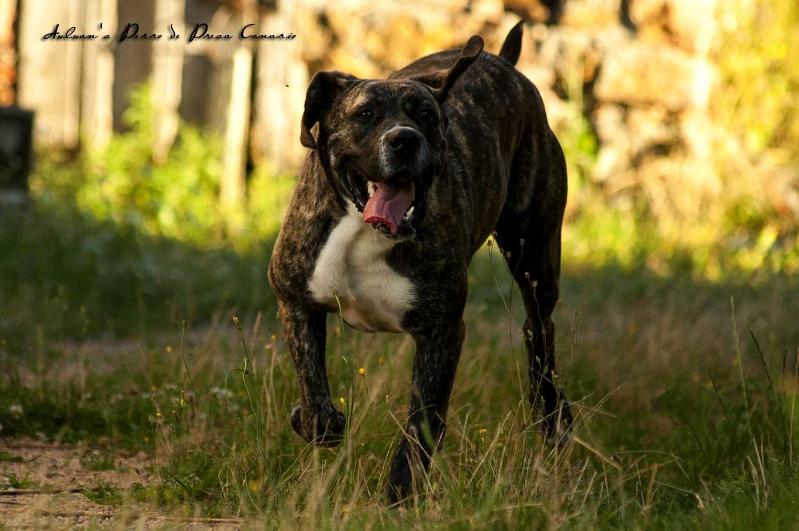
x=683, y=419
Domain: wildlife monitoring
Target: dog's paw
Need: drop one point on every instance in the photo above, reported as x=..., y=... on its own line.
x=399, y=488
x=558, y=426
x=323, y=429
x=406, y=477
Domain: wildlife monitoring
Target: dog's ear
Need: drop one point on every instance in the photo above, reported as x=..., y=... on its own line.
x=322, y=91
x=440, y=81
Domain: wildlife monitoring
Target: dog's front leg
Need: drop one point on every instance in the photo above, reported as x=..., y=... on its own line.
x=315, y=419
x=437, y=353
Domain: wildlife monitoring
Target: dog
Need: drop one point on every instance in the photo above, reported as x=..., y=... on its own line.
x=405, y=179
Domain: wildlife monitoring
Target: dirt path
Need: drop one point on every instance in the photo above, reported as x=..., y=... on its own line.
x=56, y=487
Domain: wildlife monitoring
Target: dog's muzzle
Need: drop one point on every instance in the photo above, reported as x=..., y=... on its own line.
x=402, y=142
x=391, y=196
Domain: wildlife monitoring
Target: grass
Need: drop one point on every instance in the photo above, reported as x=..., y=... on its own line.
x=97, y=461
x=7, y=457
x=104, y=494
x=71, y=276
x=12, y=481
x=685, y=392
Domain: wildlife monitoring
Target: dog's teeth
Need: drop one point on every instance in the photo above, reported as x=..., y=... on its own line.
x=409, y=214
x=372, y=188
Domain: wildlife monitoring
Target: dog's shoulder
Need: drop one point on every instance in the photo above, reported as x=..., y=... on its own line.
x=307, y=225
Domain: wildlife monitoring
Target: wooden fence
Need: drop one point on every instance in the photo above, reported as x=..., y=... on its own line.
x=248, y=91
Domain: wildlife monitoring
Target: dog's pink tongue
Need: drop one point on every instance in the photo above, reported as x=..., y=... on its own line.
x=387, y=205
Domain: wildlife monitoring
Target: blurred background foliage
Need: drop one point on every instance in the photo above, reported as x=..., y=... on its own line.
x=757, y=155
x=760, y=76
x=176, y=199
x=748, y=223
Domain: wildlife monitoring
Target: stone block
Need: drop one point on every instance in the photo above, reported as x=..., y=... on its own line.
x=689, y=24
x=649, y=127
x=533, y=10
x=591, y=14
x=647, y=74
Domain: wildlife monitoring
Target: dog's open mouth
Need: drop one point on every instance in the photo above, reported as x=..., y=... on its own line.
x=390, y=205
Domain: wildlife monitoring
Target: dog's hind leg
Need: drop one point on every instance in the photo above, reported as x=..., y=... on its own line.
x=534, y=261
x=530, y=240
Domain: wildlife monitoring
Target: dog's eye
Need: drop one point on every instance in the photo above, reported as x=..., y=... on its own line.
x=365, y=115
x=427, y=116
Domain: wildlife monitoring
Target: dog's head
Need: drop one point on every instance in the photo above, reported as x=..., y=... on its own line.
x=381, y=142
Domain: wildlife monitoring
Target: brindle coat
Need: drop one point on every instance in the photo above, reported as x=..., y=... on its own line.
x=490, y=164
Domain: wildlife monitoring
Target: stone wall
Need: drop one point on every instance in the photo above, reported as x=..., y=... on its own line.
x=632, y=75
x=637, y=72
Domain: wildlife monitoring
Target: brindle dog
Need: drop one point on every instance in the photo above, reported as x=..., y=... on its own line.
x=405, y=180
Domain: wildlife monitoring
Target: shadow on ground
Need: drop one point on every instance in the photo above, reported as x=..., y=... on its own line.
x=65, y=275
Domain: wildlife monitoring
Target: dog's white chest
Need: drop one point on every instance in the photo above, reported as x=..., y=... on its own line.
x=351, y=274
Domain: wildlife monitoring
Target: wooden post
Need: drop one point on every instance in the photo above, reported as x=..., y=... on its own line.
x=8, y=13
x=167, y=76
x=233, y=185
x=282, y=78
x=133, y=59
x=49, y=72
x=97, y=119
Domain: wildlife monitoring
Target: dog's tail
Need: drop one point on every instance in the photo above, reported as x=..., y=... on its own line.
x=512, y=46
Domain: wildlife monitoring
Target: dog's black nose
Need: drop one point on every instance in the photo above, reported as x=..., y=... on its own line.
x=403, y=140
